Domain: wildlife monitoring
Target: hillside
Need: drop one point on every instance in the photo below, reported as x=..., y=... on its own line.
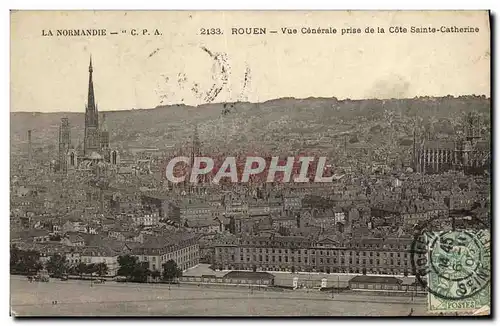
x=286, y=122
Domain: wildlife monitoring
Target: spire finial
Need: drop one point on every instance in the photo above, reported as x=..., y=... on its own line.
x=90, y=65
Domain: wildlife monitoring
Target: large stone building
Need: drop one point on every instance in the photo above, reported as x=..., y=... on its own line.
x=296, y=253
x=183, y=248
x=471, y=154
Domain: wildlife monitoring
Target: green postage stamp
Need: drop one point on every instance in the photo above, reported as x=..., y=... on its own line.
x=456, y=270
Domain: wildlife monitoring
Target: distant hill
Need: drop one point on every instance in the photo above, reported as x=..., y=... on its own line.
x=285, y=120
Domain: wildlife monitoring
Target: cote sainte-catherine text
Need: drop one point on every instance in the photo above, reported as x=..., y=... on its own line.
x=353, y=30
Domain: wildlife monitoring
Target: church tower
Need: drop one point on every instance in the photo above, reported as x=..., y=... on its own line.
x=105, y=150
x=196, y=152
x=91, y=142
x=195, y=149
x=472, y=128
x=64, y=143
x=104, y=133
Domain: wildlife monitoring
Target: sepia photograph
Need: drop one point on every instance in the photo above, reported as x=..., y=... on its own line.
x=250, y=163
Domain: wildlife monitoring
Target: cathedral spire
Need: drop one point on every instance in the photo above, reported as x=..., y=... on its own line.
x=92, y=142
x=91, y=99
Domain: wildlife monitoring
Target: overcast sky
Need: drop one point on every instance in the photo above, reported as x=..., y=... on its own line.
x=51, y=73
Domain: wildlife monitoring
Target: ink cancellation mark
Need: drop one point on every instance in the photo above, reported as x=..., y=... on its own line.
x=218, y=81
x=457, y=267
x=220, y=74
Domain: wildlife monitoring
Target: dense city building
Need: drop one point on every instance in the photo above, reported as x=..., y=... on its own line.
x=471, y=153
x=301, y=254
x=181, y=248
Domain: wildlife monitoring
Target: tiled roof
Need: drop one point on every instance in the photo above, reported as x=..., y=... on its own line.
x=249, y=275
x=375, y=279
x=99, y=252
x=202, y=223
x=33, y=233
x=74, y=237
x=45, y=248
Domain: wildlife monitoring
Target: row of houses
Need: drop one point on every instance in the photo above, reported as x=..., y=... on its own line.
x=181, y=247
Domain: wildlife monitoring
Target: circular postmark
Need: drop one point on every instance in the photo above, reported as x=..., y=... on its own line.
x=452, y=264
x=188, y=86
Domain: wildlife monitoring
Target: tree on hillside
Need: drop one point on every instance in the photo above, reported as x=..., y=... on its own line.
x=171, y=271
x=132, y=269
x=57, y=265
x=140, y=272
x=81, y=269
x=91, y=269
x=102, y=269
x=155, y=275
x=15, y=256
x=127, y=265
x=24, y=261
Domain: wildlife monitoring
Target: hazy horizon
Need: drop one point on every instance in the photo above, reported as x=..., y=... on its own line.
x=262, y=102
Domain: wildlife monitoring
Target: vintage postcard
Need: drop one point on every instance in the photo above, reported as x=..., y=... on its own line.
x=250, y=163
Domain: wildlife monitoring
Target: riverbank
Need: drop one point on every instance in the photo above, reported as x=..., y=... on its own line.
x=79, y=298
